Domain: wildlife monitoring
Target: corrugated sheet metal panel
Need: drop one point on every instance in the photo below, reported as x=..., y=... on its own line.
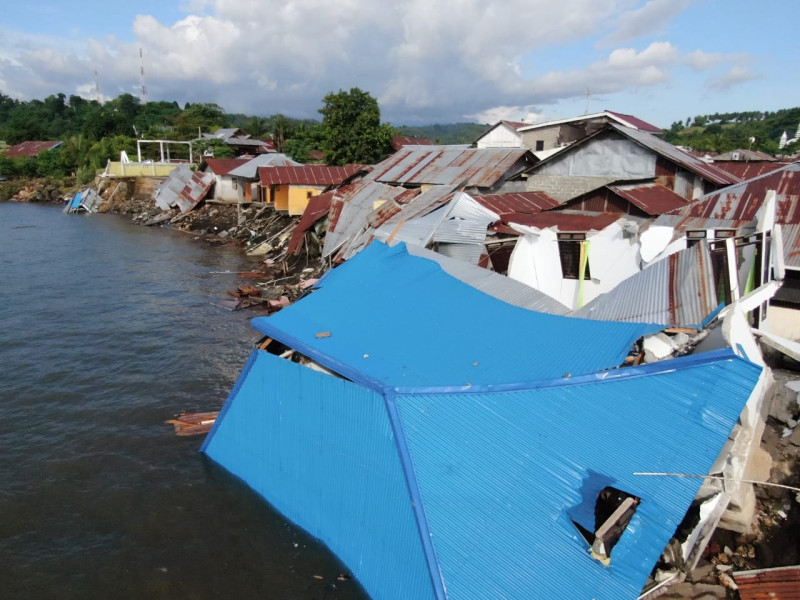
x=30, y=148
x=466, y=222
x=307, y=174
x=322, y=451
x=401, y=141
x=791, y=245
x=223, y=166
x=183, y=188
x=635, y=122
x=569, y=220
x=781, y=583
x=693, y=164
x=501, y=475
x=652, y=198
x=349, y=212
x=467, y=253
x=448, y=165
x=491, y=283
x=529, y=203
x=317, y=207
x=441, y=332
x=678, y=290
x=249, y=170
x=742, y=201
x=418, y=231
x=748, y=170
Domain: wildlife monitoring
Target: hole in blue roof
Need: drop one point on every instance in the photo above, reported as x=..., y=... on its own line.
x=603, y=514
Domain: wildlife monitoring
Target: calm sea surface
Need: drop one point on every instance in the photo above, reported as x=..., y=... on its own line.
x=106, y=330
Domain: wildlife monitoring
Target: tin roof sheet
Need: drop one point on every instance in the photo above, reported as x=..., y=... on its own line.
x=678, y=290
x=183, y=188
x=425, y=342
x=564, y=220
x=322, y=175
x=741, y=202
x=514, y=203
x=780, y=583
x=652, y=198
x=494, y=284
x=30, y=148
x=635, y=122
x=317, y=207
x=350, y=208
x=625, y=120
x=676, y=155
x=223, y=166
x=400, y=141
x=249, y=170
x=503, y=475
x=450, y=165
x=748, y=170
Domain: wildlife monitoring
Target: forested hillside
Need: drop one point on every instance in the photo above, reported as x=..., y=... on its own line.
x=722, y=132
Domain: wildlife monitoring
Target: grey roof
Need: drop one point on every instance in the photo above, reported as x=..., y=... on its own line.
x=678, y=290
x=249, y=170
x=450, y=165
x=493, y=284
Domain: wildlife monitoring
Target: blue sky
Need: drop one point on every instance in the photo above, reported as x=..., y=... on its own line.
x=426, y=61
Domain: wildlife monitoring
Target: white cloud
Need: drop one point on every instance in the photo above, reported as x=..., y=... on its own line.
x=425, y=61
x=647, y=20
x=525, y=114
x=734, y=76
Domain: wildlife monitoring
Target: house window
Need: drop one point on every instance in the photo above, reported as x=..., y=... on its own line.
x=539, y=145
x=308, y=195
x=569, y=250
x=692, y=237
x=724, y=233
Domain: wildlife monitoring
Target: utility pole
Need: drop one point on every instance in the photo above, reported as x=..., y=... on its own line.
x=588, y=94
x=143, y=93
x=97, y=87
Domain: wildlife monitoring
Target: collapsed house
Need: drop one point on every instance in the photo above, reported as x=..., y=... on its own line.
x=85, y=201
x=444, y=461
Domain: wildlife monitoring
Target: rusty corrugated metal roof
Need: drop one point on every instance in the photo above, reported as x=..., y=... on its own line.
x=676, y=155
x=678, y=290
x=349, y=210
x=317, y=207
x=450, y=165
x=653, y=198
x=308, y=174
x=183, y=188
x=780, y=583
x=223, y=166
x=748, y=170
x=741, y=202
x=30, y=148
x=514, y=203
x=635, y=122
x=791, y=245
x=400, y=141
x=564, y=220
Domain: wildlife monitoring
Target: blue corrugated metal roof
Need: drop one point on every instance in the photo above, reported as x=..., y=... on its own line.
x=400, y=320
x=500, y=474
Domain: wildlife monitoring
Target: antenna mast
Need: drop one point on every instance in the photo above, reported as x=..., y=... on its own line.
x=97, y=87
x=588, y=94
x=143, y=93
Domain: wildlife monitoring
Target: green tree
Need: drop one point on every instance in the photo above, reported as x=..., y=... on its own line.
x=352, y=129
x=212, y=147
x=199, y=117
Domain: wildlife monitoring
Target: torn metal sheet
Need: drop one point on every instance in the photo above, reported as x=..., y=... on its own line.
x=779, y=583
x=679, y=290
x=183, y=188
x=86, y=201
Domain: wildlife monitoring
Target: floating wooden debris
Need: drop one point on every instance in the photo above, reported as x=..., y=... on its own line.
x=193, y=423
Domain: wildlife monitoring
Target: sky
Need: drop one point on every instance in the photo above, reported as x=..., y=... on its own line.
x=426, y=61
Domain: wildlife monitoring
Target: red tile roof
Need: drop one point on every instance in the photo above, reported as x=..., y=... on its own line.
x=514, y=203
x=223, y=166
x=30, y=148
x=308, y=174
x=652, y=198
